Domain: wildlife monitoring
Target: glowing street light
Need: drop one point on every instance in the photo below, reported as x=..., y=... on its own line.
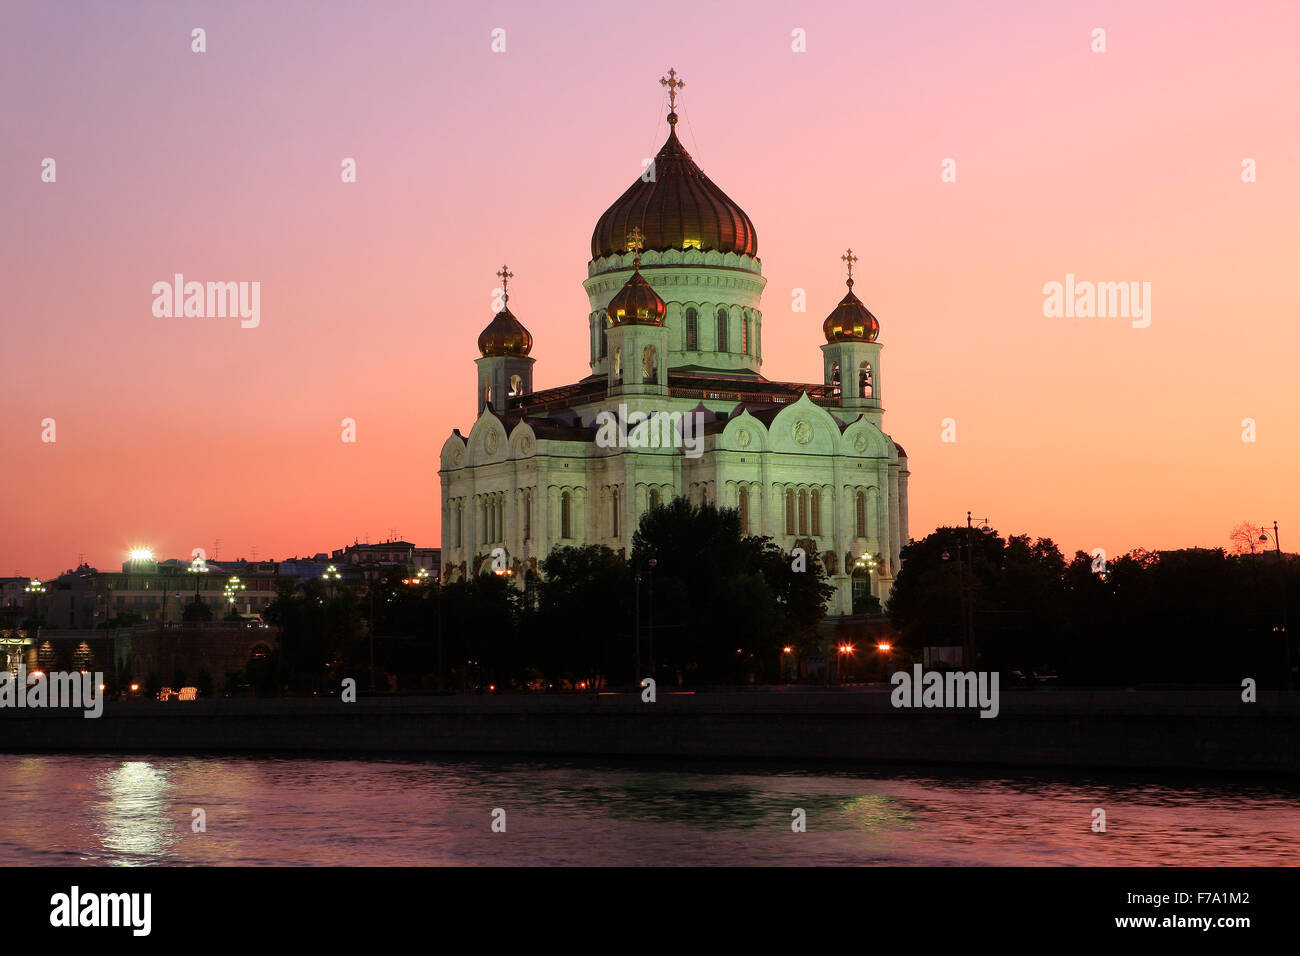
x=233, y=587
x=35, y=588
x=844, y=650
x=197, y=566
x=332, y=578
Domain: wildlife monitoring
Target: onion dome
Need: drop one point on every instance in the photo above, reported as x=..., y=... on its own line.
x=505, y=335
x=850, y=321
x=680, y=208
x=636, y=303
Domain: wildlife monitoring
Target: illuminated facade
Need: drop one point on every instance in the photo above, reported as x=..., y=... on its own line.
x=675, y=326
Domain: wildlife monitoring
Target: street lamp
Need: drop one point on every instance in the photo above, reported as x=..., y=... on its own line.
x=1281, y=563
x=197, y=566
x=844, y=651
x=652, y=563
x=636, y=627
x=233, y=587
x=966, y=584
x=35, y=588
x=781, y=666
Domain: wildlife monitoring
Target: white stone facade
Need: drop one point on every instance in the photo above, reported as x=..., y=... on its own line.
x=807, y=465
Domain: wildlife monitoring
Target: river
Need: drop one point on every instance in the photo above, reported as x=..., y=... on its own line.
x=100, y=810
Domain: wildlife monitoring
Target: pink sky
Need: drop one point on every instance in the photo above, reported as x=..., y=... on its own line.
x=1118, y=166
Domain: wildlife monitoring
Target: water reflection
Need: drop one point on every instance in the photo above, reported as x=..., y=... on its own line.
x=392, y=811
x=135, y=822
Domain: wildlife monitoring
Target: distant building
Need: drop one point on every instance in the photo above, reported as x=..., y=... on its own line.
x=156, y=591
x=391, y=554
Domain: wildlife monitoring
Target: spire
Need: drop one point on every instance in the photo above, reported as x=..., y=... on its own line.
x=673, y=85
x=849, y=258
x=505, y=275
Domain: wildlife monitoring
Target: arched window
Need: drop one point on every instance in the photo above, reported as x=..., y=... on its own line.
x=614, y=499
x=816, y=512
x=789, y=511
x=460, y=520
x=744, y=336
x=487, y=392
x=566, y=510
x=618, y=365
x=861, y=523
x=649, y=366
x=603, y=319
x=516, y=386
x=654, y=497
x=742, y=502
x=722, y=331
x=803, y=511
x=692, y=330
x=835, y=379
x=866, y=388
x=528, y=515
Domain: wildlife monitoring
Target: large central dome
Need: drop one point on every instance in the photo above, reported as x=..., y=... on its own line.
x=680, y=209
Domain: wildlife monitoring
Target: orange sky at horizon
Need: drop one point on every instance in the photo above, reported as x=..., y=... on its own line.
x=1115, y=166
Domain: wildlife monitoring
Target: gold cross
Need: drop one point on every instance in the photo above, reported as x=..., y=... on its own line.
x=505, y=275
x=850, y=258
x=635, y=243
x=673, y=85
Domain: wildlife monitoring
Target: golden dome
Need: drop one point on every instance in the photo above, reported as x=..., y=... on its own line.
x=680, y=208
x=505, y=335
x=850, y=321
x=637, y=303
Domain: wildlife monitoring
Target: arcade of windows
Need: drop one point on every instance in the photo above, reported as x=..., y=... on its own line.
x=866, y=386
x=803, y=512
x=722, y=337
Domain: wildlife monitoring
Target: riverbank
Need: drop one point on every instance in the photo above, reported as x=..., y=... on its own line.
x=1203, y=730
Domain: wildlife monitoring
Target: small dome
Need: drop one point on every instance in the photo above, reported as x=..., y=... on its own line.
x=637, y=303
x=850, y=321
x=505, y=335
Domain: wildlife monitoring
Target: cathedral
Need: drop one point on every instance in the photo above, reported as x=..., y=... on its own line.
x=676, y=336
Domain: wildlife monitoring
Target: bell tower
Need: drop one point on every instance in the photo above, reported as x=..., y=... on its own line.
x=505, y=369
x=851, y=355
x=638, y=340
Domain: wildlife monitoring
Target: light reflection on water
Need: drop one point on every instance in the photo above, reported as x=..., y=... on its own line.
x=297, y=811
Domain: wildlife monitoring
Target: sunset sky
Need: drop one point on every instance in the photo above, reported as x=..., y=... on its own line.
x=1117, y=166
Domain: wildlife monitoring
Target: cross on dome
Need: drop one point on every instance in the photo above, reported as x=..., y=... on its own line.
x=849, y=258
x=635, y=243
x=673, y=85
x=505, y=275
